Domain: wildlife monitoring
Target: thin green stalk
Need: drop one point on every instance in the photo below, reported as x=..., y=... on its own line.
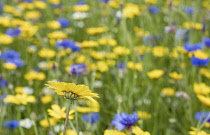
x=67, y=115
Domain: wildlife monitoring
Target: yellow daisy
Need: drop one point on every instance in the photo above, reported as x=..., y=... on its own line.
x=72, y=91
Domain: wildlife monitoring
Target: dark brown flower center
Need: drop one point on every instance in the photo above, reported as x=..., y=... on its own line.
x=70, y=95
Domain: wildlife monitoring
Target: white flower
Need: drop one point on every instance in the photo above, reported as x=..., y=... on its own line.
x=26, y=123
x=28, y=90
x=79, y=15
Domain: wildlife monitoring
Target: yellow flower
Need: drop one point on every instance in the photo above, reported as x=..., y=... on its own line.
x=32, y=75
x=138, y=131
x=56, y=2
x=54, y=25
x=201, y=88
x=95, y=31
x=92, y=107
x=72, y=91
x=8, y=9
x=5, y=40
x=102, y=66
x=107, y=41
x=57, y=35
x=205, y=72
x=144, y=115
x=81, y=8
x=159, y=51
x=86, y=44
x=113, y=132
x=19, y=90
x=140, y=32
x=33, y=15
x=59, y=113
x=46, y=53
x=18, y=99
x=70, y=132
x=154, y=74
x=196, y=131
x=176, y=76
x=151, y=1
x=130, y=10
x=114, y=3
x=121, y=50
x=134, y=66
x=28, y=30
x=46, y=99
x=48, y=122
x=204, y=100
x=5, y=21
x=97, y=55
x=9, y=66
x=40, y=4
x=200, y=54
x=168, y=91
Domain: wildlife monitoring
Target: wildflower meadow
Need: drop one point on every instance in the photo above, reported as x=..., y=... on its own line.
x=104, y=67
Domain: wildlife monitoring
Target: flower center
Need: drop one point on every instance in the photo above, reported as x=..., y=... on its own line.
x=70, y=95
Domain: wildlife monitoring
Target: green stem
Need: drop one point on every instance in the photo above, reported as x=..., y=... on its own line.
x=66, y=119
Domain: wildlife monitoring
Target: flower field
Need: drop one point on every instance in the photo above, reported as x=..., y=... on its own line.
x=104, y=67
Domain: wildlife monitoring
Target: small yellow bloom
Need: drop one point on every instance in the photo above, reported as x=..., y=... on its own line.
x=87, y=44
x=159, y=51
x=154, y=74
x=46, y=53
x=130, y=10
x=168, y=91
x=48, y=122
x=204, y=100
x=20, y=99
x=70, y=132
x=81, y=8
x=176, y=76
x=57, y=35
x=54, y=25
x=121, y=50
x=201, y=88
x=5, y=40
x=9, y=66
x=59, y=113
x=91, y=107
x=113, y=132
x=19, y=90
x=32, y=75
x=138, y=131
x=107, y=41
x=196, y=131
x=95, y=31
x=102, y=66
x=40, y=4
x=205, y=72
x=144, y=115
x=33, y=14
x=200, y=54
x=151, y=1
x=46, y=99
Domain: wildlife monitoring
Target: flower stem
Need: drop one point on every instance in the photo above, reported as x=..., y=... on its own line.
x=66, y=119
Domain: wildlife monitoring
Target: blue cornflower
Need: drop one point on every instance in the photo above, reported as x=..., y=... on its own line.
x=3, y=83
x=78, y=69
x=124, y=120
x=189, y=10
x=105, y=1
x=202, y=116
x=1, y=6
x=3, y=96
x=68, y=44
x=12, y=124
x=81, y=3
x=13, y=32
x=192, y=47
x=10, y=54
x=199, y=62
x=153, y=10
x=206, y=41
x=18, y=62
x=92, y=117
x=63, y=22
x=121, y=65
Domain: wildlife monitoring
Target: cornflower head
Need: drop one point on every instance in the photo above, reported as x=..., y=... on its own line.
x=72, y=91
x=124, y=120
